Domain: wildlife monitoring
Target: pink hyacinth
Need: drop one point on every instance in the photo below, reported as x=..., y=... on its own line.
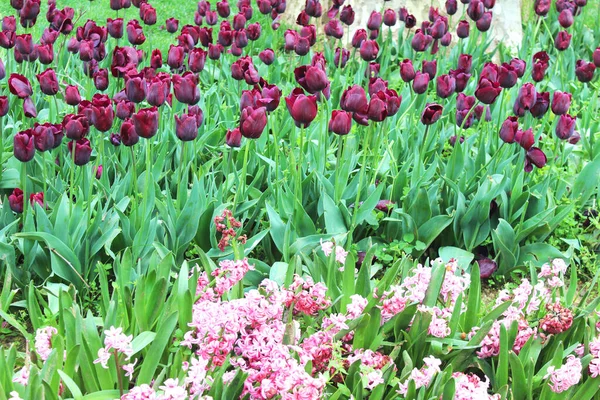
x=22, y=377
x=43, y=341
x=568, y=375
x=142, y=392
x=229, y=273
x=421, y=377
x=470, y=387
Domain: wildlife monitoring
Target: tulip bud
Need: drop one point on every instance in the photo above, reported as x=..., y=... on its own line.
x=145, y=122
x=186, y=127
x=389, y=17
x=565, y=18
x=233, y=138
x=267, y=56
x=509, y=129
x=24, y=146
x=574, y=139
x=135, y=33
x=82, y=149
x=334, y=29
x=584, y=71
x=128, y=135
x=185, y=88
x=525, y=138
x=345, y=54
x=99, y=170
x=430, y=68
x=451, y=7
x=483, y=24
x=420, y=41
x=462, y=30
x=541, y=105
x=475, y=10
x=431, y=114
x=347, y=15
x=354, y=100
x=527, y=96
x=377, y=110
x=561, y=101
x=115, y=27
x=75, y=126
x=407, y=71
x=303, y=109
x=3, y=106
x=72, y=96
x=487, y=91
x=359, y=36
x=534, y=156
x=15, y=201
x=446, y=85
x=374, y=21
x=565, y=126
x=421, y=82
x=369, y=50
x=19, y=86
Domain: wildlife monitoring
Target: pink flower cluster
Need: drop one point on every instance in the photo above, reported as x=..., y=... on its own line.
x=470, y=387
x=306, y=296
x=340, y=254
x=43, y=341
x=554, y=272
x=423, y=376
x=229, y=273
x=226, y=224
x=115, y=341
x=594, y=366
x=568, y=375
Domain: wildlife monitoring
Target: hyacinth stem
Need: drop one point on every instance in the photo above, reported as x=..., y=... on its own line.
x=119, y=375
x=358, y=191
x=24, y=184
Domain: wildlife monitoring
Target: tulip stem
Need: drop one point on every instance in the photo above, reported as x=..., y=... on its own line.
x=44, y=178
x=358, y=191
x=24, y=184
x=338, y=167
x=72, y=172
x=148, y=175
x=242, y=183
x=299, y=166
x=182, y=168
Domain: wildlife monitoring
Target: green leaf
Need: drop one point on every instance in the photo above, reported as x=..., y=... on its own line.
x=71, y=385
x=157, y=349
x=431, y=229
x=587, y=181
x=141, y=341
x=334, y=220
x=463, y=257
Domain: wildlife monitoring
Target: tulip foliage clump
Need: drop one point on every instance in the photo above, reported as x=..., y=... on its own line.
x=237, y=202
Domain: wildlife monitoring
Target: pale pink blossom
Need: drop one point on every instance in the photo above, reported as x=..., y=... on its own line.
x=22, y=377
x=14, y=396
x=356, y=307
x=128, y=368
x=43, y=341
x=568, y=375
x=470, y=387
x=103, y=357
x=327, y=247
x=340, y=255
x=172, y=390
x=142, y=392
x=594, y=367
x=373, y=379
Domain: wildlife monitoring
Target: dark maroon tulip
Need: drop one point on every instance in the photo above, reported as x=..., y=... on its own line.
x=186, y=88
x=464, y=102
x=374, y=21
x=309, y=32
x=446, y=85
x=345, y=57
x=483, y=24
x=487, y=91
x=451, y=7
x=45, y=53
x=596, y=57
x=433, y=14
x=7, y=39
x=525, y=138
x=453, y=139
x=562, y=41
x=487, y=267
x=584, y=70
x=439, y=27
x=354, y=100
x=43, y=136
x=475, y=10
x=225, y=37
x=372, y=70
x=534, y=156
x=389, y=17
x=420, y=41
x=267, y=56
x=565, y=18
x=101, y=79
x=3, y=106
x=98, y=171
x=223, y=9
x=527, y=96
x=135, y=87
x=373, y=35
x=19, y=86
x=115, y=27
x=377, y=110
x=239, y=21
x=172, y=25
x=302, y=108
x=9, y=24
x=75, y=126
x=124, y=109
x=462, y=29
x=102, y=114
x=37, y=198
x=429, y=68
x=145, y=122
x=214, y=51
x=507, y=76
x=519, y=66
x=490, y=71
x=393, y=101
x=369, y=50
x=340, y=122
x=303, y=18
x=175, y=57
x=540, y=65
x=135, y=33
x=233, y=137
x=116, y=5
x=575, y=138
x=518, y=110
x=186, y=127
x=302, y=46
x=48, y=82
x=376, y=85
x=431, y=114
x=253, y=122
x=542, y=7
x=24, y=43
x=334, y=29
x=509, y=129
x=421, y=82
x=270, y=97
x=15, y=201
x=24, y=146
x=489, y=3
x=291, y=39
x=82, y=149
x=410, y=21
x=29, y=108
x=312, y=79
x=196, y=60
x=541, y=105
x=565, y=126
x=128, y=135
x=156, y=60
x=254, y=31
x=407, y=71
x=464, y=119
x=359, y=36
x=211, y=18
x=561, y=101
x=249, y=98
x=49, y=37
x=240, y=40
x=314, y=8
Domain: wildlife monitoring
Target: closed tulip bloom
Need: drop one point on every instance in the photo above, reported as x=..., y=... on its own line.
x=584, y=71
x=340, y=122
x=464, y=102
x=135, y=87
x=102, y=112
x=519, y=66
x=240, y=39
x=451, y=7
x=186, y=127
x=475, y=10
x=82, y=149
x=483, y=24
x=172, y=25
x=374, y=21
x=147, y=14
x=127, y=134
x=254, y=31
x=393, y=101
x=3, y=106
x=312, y=79
x=9, y=24
x=135, y=33
x=487, y=91
x=15, y=201
x=158, y=90
x=487, y=267
x=421, y=82
x=377, y=110
x=302, y=46
x=115, y=27
x=175, y=57
x=124, y=109
x=29, y=108
x=19, y=86
x=211, y=17
x=541, y=7
x=303, y=109
x=464, y=119
x=359, y=36
x=420, y=41
x=75, y=126
x=249, y=98
x=509, y=129
x=507, y=76
x=575, y=138
x=253, y=122
x=431, y=114
x=525, y=138
x=101, y=79
x=410, y=21
x=565, y=18
x=72, y=96
x=527, y=96
x=430, y=68
x=446, y=39
x=534, y=156
x=354, y=100
x=369, y=50
x=233, y=138
x=376, y=85
x=439, y=28
x=462, y=29
x=43, y=136
x=347, y=15
x=561, y=101
x=334, y=29
x=446, y=85
x=145, y=122
x=185, y=88
x=270, y=97
x=389, y=17
x=2, y=70
x=490, y=71
x=314, y=8
x=518, y=110
x=541, y=105
x=540, y=65
x=196, y=60
x=562, y=41
x=407, y=71
x=24, y=146
x=24, y=43
x=267, y=56
x=565, y=126
x=345, y=56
